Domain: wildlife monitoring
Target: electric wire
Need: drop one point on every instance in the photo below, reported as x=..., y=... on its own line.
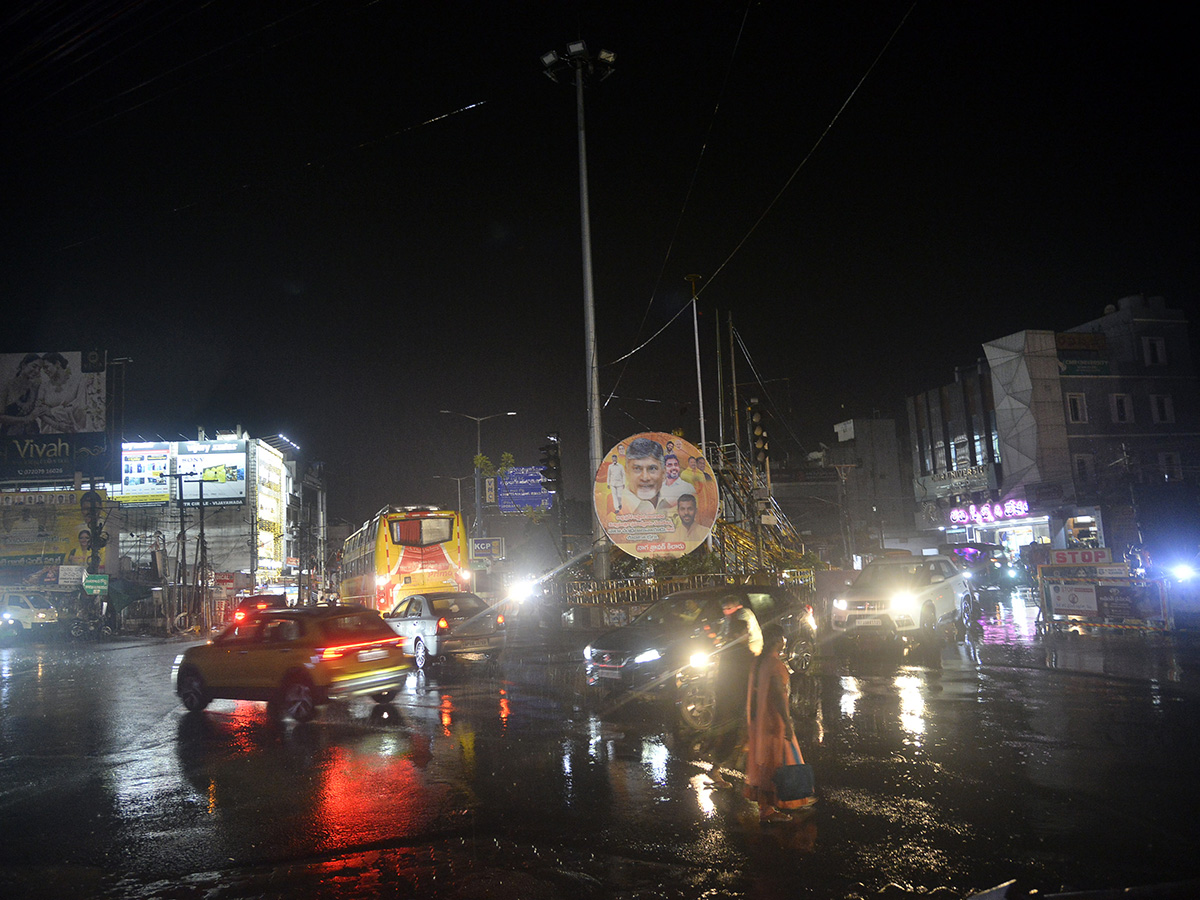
x=683, y=211
x=812, y=150
x=779, y=194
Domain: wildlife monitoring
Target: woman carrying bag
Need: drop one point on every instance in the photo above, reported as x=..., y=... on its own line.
x=772, y=743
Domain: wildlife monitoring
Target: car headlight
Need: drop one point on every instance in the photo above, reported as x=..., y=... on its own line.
x=903, y=603
x=647, y=656
x=1183, y=572
x=839, y=603
x=587, y=653
x=700, y=660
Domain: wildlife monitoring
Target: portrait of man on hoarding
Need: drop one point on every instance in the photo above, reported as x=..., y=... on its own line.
x=649, y=508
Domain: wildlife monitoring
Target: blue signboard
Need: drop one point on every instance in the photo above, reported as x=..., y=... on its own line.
x=521, y=488
x=488, y=549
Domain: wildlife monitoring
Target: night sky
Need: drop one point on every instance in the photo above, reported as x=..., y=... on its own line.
x=333, y=219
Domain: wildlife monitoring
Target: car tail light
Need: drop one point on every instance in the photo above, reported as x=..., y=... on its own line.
x=342, y=649
x=443, y=625
x=500, y=620
x=239, y=616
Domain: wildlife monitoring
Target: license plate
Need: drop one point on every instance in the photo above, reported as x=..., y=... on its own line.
x=473, y=642
x=369, y=655
x=608, y=673
x=868, y=623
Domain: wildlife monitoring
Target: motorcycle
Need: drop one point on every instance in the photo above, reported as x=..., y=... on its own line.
x=696, y=689
x=94, y=629
x=695, y=682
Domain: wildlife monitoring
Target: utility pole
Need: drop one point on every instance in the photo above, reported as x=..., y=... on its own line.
x=597, y=68
x=199, y=607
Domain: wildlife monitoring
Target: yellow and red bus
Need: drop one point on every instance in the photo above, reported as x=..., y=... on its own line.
x=404, y=550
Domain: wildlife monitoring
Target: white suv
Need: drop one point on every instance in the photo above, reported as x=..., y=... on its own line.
x=902, y=596
x=23, y=612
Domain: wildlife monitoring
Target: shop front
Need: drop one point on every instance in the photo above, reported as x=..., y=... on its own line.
x=1010, y=524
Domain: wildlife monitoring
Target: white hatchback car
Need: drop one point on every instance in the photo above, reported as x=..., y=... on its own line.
x=902, y=596
x=26, y=612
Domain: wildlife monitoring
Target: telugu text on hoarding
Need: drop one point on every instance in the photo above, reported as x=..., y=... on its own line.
x=53, y=416
x=655, y=495
x=41, y=531
x=214, y=470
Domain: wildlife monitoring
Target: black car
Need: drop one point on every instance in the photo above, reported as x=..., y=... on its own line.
x=255, y=603
x=652, y=652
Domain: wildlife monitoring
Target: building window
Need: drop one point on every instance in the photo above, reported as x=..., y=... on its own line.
x=1076, y=408
x=1170, y=466
x=1121, y=408
x=1085, y=468
x=1154, y=351
x=1162, y=409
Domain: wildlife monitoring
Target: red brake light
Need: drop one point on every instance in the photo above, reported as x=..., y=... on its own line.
x=443, y=625
x=343, y=649
x=500, y=618
x=239, y=615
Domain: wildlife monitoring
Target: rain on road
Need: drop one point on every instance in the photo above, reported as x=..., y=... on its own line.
x=1066, y=763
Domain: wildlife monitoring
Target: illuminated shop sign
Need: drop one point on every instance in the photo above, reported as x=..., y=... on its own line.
x=989, y=513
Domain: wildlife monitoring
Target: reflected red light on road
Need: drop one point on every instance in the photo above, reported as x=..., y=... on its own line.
x=361, y=797
x=445, y=711
x=505, y=711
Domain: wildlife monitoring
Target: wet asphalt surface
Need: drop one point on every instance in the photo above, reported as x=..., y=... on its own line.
x=1066, y=763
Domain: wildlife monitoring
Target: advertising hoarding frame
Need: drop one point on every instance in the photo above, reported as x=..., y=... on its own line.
x=636, y=498
x=57, y=417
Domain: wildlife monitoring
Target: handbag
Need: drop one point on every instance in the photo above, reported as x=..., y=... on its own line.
x=793, y=782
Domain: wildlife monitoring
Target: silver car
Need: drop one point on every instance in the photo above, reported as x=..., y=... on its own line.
x=447, y=623
x=901, y=597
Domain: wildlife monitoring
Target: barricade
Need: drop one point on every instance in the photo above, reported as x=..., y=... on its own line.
x=1077, y=602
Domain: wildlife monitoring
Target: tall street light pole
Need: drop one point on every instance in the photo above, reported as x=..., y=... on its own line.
x=478, y=420
x=458, y=480
x=597, y=68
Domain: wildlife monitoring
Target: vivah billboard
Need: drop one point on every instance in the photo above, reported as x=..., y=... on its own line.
x=53, y=416
x=41, y=531
x=212, y=470
x=655, y=495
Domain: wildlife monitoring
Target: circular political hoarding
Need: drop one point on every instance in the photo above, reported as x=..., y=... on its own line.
x=655, y=495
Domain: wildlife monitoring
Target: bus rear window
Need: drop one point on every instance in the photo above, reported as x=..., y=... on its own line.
x=421, y=532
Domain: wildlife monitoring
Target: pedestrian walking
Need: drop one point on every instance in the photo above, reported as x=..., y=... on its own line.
x=728, y=733
x=769, y=726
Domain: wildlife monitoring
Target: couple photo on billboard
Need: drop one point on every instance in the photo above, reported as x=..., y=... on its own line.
x=655, y=495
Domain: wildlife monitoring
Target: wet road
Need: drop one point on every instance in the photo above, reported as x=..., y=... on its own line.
x=1064, y=763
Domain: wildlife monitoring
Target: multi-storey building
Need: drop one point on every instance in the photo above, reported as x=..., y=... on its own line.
x=1084, y=437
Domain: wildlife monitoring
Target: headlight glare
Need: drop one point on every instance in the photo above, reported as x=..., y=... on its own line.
x=647, y=656
x=699, y=660
x=904, y=603
x=839, y=603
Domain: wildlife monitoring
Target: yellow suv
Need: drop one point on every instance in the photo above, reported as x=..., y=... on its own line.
x=296, y=659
